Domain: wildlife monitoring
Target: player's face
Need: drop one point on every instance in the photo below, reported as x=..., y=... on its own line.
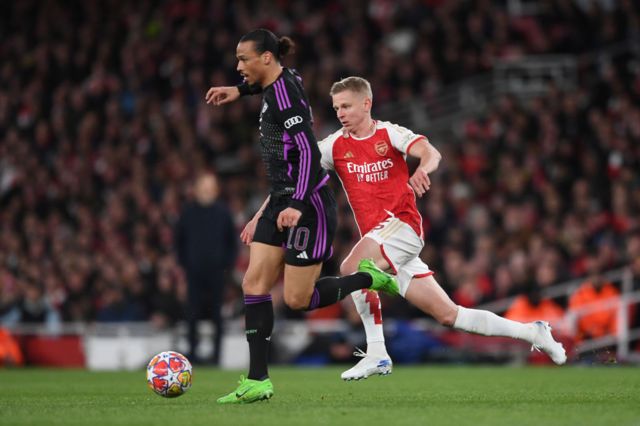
x=352, y=109
x=250, y=62
x=206, y=189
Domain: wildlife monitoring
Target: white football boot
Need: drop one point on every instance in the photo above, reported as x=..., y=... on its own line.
x=544, y=341
x=368, y=366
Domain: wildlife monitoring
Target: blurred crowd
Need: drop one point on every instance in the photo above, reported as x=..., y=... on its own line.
x=103, y=130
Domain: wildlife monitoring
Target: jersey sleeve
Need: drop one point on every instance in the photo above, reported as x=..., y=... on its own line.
x=402, y=138
x=293, y=114
x=326, y=152
x=246, y=89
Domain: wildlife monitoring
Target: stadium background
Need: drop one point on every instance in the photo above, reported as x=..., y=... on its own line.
x=534, y=106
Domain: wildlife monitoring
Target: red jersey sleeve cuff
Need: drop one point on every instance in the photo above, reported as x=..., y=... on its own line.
x=416, y=140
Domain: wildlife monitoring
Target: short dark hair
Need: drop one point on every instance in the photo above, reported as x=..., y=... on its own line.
x=266, y=41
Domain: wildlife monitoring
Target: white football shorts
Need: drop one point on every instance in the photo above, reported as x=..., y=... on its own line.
x=401, y=247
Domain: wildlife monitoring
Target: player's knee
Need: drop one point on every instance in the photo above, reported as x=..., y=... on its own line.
x=297, y=302
x=252, y=286
x=348, y=267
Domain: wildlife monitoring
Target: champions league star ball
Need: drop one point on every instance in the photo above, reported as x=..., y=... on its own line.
x=169, y=374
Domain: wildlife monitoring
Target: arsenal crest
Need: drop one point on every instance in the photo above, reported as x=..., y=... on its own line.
x=381, y=148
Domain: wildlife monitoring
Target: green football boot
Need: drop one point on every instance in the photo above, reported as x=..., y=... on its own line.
x=381, y=280
x=249, y=391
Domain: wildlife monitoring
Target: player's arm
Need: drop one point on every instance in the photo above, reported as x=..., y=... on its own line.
x=226, y=94
x=429, y=158
x=326, y=152
x=246, y=89
x=296, y=120
x=246, y=236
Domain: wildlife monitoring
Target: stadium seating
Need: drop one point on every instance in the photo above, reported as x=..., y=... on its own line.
x=103, y=126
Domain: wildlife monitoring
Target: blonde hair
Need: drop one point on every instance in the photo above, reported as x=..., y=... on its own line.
x=355, y=84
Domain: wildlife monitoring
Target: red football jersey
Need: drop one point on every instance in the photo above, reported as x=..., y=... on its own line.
x=374, y=174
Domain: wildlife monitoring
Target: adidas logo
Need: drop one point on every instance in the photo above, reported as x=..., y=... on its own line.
x=383, y=363
x=349, y=154
x=303, y=255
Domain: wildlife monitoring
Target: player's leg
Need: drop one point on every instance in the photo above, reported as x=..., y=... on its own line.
x=265, y=265
x=425, y=293
x=376, y=360
x=266, y=260
x=299, y=284
x=193, y=312
x=390, y=244
x=308, y=245
x=304, y=291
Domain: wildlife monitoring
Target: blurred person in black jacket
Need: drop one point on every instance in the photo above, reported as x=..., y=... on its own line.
x=206, y=244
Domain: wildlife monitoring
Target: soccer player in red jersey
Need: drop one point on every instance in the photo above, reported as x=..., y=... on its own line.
x=369, y=158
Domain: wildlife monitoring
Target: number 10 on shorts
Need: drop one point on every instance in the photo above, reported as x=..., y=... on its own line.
x=298, y=238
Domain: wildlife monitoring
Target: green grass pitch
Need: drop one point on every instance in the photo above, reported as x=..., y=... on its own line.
x=410, y=396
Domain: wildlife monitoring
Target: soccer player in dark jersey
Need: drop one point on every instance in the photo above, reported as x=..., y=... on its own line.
x=294, y=228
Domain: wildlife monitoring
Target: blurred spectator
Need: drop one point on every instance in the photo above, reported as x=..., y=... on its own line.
x=118, y=306
x=531, y=307
x=103, y=126
x=166, y=308
x=78, y=303
x=633, y=256
x=207, y=245
x=10, y=295
x=10, y=353
x=33, y=308
x=594, y=292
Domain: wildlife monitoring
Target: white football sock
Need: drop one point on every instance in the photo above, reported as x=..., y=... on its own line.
x=377, y=349
x=489, y=324
x=368, y=306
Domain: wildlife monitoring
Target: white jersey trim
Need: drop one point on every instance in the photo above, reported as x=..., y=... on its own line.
x=375, y=130
x=326, y=150
x=400, y=137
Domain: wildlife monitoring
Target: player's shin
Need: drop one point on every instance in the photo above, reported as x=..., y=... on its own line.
x=538, y=333
x=329, y=290
x=368, y=306
x=489, y=324
x=259, y=325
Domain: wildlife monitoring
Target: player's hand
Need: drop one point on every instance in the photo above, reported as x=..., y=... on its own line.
x=288, y=218
x=222, y=95
x=420, y=182
x=250, y=228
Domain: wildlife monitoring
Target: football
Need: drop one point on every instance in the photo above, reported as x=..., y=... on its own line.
x=169, y=374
